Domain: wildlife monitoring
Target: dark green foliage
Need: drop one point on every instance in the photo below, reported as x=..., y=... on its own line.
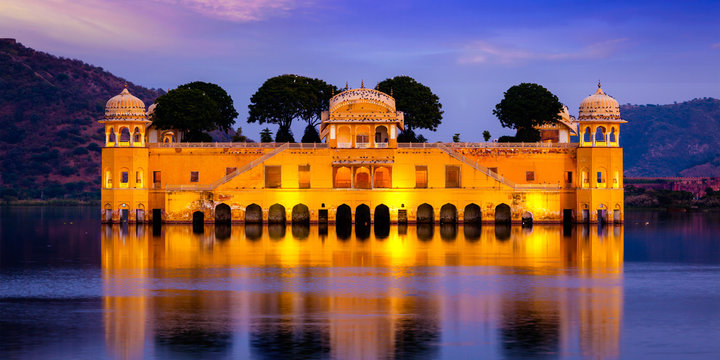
x=282, y=99
x=266, y=135
x=311, y=135
x=284, y=134
x=526, y=106
x=80, y=151
x=456, y=137
x=221, y=98
x=486, y=135
x=94, y=147
x=239, y=137
x=421, y=106
x=188, y=110
x=407, y=136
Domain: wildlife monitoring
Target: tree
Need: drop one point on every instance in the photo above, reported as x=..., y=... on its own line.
x=187, y=110
x=221, y=98
x=526, y=106
x=266, y=135
x=284, y=134
x=422, y=108
x=456, y=137
x=282, y=99
x=239, y=137
x=311, y=135
x=486, y=135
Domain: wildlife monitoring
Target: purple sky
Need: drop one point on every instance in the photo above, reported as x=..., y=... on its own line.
x=467, y=52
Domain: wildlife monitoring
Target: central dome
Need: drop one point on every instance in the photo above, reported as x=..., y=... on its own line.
x=599, y=106
x=124, y=106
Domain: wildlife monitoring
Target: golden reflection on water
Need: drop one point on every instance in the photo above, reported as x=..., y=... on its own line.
x=360, y=293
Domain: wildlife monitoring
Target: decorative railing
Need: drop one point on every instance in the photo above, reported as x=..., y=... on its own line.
x=362, y=145
x=344, y=145
x=381, y=145
x=490, y=145
x=219, y=145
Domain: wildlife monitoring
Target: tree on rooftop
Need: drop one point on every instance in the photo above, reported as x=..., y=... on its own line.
x=266, y=135
x=421, y=106
x=526, y=106
x=282, y=99
x=195, y=109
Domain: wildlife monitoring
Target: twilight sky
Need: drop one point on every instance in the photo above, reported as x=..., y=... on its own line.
x=467, y=52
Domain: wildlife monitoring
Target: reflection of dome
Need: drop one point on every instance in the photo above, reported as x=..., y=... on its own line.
x=599, y=106
x=124, y=106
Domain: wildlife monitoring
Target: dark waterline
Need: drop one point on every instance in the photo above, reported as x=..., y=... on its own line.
x=71, y=288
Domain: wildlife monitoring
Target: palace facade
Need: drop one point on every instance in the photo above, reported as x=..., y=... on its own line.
x=361, y=173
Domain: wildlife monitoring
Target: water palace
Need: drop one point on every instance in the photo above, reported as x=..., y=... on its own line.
x=361, y=172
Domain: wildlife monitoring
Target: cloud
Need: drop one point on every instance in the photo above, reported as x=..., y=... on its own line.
x=236, y=10
x=715, y=45
x=484, y=52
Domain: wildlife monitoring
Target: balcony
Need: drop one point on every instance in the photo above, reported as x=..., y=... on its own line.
x=381, y=145
x=363, y=145
x=344, y=145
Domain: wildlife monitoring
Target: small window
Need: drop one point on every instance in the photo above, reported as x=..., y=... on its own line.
x=421, y=177
x=230, y=170
x=272, y=177
x=124, y=177
x=304, y=176
x=493, y=170
x=600, y=178
x=194, y=176
x=569, y=177
x=452, y=176
x=138, y=179
x=529, y=176
x=156, y=177
x=108, y=179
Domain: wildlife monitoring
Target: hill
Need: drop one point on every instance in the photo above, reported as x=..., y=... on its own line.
x=681, y=139
x=50, y=139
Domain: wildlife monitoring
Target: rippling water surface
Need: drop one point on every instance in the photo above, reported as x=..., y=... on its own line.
x=71, y=288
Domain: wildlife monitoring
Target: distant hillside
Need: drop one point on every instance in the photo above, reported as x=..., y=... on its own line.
x=49, y=135
x=681, y=139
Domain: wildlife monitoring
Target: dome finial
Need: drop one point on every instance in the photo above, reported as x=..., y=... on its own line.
x=347, y=86
x=599, y=84
x=362, y=84
x=125, y=84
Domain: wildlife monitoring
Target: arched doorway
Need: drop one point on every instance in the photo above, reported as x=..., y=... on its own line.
x=527, y=218
x=300, y=214
x=382, y=178
x=343, y=177
x=382, y=221
x=502, y=214
x=253, y=214
x=343, y=222
x=108, y=213
x=362, y=215
x=425, y=214
x=448, y=214
x=344, y=139
x=222, y=214
x=198, y=221
x=472, y=214
x=381, y=136
x=276, y=214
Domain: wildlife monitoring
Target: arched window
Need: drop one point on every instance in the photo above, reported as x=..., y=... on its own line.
x=124, y=135
x=587, y=136
x=362, y=178
x=600, y=134
x=111, y=136
x=362, y=138
x=343, y=177
x=613, y=138
x=136, y=135
x=124, y=178
x=616, y=179
x=381, y=136
x=382, y=177
x=601, y=178
x=584, y=179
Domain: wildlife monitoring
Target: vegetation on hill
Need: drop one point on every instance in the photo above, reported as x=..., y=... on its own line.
x=679, y=139
x=636, y=197
x=50, y=139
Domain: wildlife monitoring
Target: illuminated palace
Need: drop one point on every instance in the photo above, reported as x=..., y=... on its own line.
x=361, y=173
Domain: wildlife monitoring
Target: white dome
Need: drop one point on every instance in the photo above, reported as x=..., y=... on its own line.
x=599, y=106
x=125, y=106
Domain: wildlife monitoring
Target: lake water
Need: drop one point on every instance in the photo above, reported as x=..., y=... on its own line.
x=71, y=288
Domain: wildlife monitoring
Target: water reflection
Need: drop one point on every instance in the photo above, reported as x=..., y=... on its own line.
x=264, y=292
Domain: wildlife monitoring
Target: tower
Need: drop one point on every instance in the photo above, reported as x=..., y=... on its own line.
x=600, y=160
x=124, y=159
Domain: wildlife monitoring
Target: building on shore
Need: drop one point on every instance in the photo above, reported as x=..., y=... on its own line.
x=361, y=173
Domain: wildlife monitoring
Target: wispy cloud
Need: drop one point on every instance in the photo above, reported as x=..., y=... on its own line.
x=716, y=45
x=482, y=52
x=237, y=10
